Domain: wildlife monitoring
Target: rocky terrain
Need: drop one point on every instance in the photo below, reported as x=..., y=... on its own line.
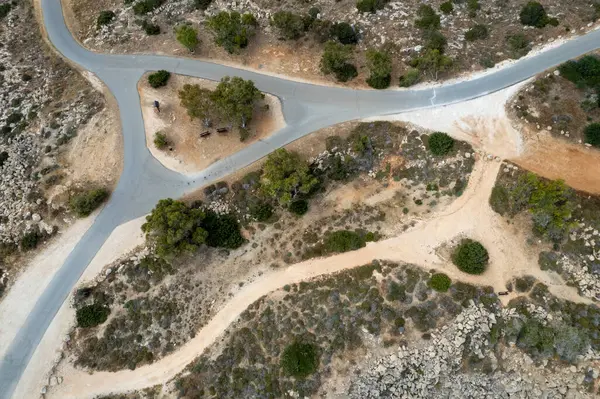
x=392, y=27
x=45, y=104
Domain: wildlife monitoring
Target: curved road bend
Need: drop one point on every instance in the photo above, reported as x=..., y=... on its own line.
x=306, y=108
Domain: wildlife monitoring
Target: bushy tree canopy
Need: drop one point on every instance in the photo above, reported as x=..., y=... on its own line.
x=231, y=31
x=432, y=62
x=290, y=26
x=428, y=19
x=470, y=257
x=174, y=228
x=159, y=78
x=439, y=282
x=343, y=241
x=440, y=143
x=584, y=72
x=380, y=66
x=91, y=315
x=285, y=175
x=335, y=60
x=592, y=134
x=198, y=102
x=300, y=359
x=85, y=203
x=344, y=33
x=477, y=32
x=235, y=99
x=533, y=14
x=187, y=36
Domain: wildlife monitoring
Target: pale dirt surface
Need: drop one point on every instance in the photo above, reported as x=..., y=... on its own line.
x=188, y=152
x=39, y=270
x=122, y=240
x=470, y=215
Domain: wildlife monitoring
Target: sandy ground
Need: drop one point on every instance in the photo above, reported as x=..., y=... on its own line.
x=188, y=152
x=470, y=216
x=122, y=240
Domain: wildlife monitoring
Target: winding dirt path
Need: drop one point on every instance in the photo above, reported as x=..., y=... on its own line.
x=470, y=215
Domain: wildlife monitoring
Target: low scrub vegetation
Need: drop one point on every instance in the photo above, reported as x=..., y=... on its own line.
x=187, y=36
x=344, y=241
x=84, y=203
x=91, y=315
x=160, y=140
x=300, y=359
x=470, y=257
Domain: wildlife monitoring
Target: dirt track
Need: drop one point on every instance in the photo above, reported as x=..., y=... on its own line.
x=470, y=215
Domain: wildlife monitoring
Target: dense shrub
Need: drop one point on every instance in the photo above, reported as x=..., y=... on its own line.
x=285, y=175
x=150, y=28
x=300, y=359
x=159, y=78
x=470, y=257
x=146, y=6
x=500, y=200
x=440, y=143
x=4, y=10
x=343, y=241
x=262, y=211
x=187, y=36
x=370, y=5
x=584, y=72
x=335, y=60
x=344, y=33
x=231, y=31
x=160, y=140
x=410, y=78
x=447, y=7
x=202, y=5
x=223, y=230
x=434, y=40
x=91, y=315
x=3, y=158
x=428, y=19
x=298, y=207
x=30, y=240
x=439, y=282
x=477, y=32
x=431, y=62
x=380, y=67
x=105, y=18
x=518, y=44
x=85, y=203
x=534, y=14
x=290, y=25
x=592, y=134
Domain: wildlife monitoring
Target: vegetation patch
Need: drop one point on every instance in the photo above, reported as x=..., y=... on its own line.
x=83, y=204
x=440, y=282
x=440, y=144
x=300, y=359
x=91, y=315
x=159, y=78
x=470, y=257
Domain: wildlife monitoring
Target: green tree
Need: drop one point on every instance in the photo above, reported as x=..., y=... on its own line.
x=91, y=315
x=447, y=7
x=159, y=78
x=592, y=134
x=432, y=62
x=380, y=66
x=174, y=228
x=285, y=175
x=533, y=14
x=290, y=25
x=434, y=40
x=300, y=359
x=335, y=60
x=439, y=282
x=223, y=231
x=344, y=241
x=187, y=36
x=105, y=18
x=230, y=31
x=235, y=98
x=428, y=19
x=198, y=102
x=440, y=143
x=470, y=257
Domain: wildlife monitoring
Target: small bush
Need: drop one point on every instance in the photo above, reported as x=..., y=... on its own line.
x=3, y=158
x=298, y=207
x=150, y=28
x=160, y=140
x=92, y=315
x=439, y=282
x=592, y=134
x=370, y=5
x=344, y=241
x=534, y=14
x=410, y=78
x=447, y=7
x=159, y=79
x=261, y=212
x=300, y=359
x=85, y=203
x=518, y=44
x=434, y=40
x=202, y=5
x=187, y=36
x=470, y=257
x=105, y=18
x=440, y=143
x=428, y=19
x=146, y=6
x=30, y=240
x=290, y=25
x=477, y=32
x=500, y=200
x=344, y=33
x=4, y=10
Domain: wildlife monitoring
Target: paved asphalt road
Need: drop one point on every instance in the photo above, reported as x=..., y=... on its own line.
x=144, y=181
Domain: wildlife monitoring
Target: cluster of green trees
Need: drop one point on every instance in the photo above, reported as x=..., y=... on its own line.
x=233, y=100
x=176, y=228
